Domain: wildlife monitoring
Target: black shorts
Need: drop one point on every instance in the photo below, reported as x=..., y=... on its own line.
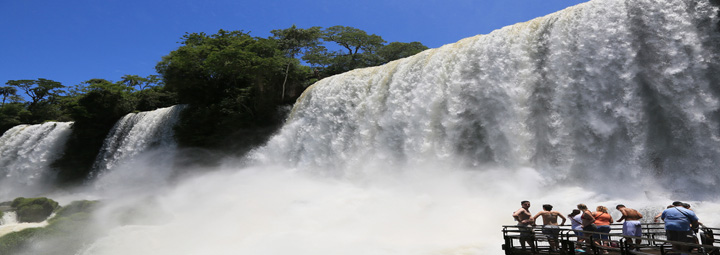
x=525, y=230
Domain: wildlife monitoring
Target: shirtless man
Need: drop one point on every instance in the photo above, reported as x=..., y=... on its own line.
x=525, y=223
x=632, y=226
x=550, y=225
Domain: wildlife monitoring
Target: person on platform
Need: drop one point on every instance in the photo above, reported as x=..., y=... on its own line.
x=632, y=226
x=603, y=219
x=550, y=226
x=525, y=224
x=695, y=229
x=576, y=223
x=657, y=217
x=687, y=206
x=679, y=223
x=588, y=224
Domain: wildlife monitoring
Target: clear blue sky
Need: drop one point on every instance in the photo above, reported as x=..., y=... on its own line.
x=76, y=40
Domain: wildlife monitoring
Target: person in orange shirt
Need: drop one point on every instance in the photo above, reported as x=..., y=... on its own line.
x=603, y=219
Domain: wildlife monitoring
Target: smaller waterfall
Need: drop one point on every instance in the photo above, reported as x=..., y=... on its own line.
x=8, y=218
x=9, y=224
x=135, y=137
x=26, y=152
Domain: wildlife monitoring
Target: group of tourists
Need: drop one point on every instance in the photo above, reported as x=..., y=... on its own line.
x=679, y=224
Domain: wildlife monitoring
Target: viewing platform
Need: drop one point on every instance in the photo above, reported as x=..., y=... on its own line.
x=653, y=242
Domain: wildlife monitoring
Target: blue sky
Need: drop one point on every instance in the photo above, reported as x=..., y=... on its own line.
x=76, y=40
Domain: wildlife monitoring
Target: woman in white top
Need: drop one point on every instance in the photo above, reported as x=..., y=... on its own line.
x=575, y=219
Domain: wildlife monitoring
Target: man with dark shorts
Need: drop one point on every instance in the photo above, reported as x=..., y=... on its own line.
x=632, y=226
x=525, y=224
x=679, y=223
x=550, y=225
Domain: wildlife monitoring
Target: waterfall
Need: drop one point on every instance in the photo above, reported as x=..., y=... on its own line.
x=26, y=153
x=607, y=102
x=9, y=218
x=137, y=136
x=9, y=223
x=622, y=90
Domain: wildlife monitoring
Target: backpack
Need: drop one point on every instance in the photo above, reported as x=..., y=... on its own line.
x=707, y=238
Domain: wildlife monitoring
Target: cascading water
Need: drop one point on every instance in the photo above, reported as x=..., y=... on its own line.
x=138, y=135
x=606, y=102
x=9, y=224
x=621, y=90
x=26, y=152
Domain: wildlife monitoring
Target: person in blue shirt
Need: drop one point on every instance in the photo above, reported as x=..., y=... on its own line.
x=679, y=223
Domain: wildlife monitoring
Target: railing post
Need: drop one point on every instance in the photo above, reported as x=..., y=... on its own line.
x=568, y=247
x=590, y=244
x=508, y=246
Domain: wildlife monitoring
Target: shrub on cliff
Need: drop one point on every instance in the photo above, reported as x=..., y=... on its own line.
x=33, y=209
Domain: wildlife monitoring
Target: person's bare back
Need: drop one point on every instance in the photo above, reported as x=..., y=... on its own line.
x=629, y=214
x=550, y=226
x=550, y=217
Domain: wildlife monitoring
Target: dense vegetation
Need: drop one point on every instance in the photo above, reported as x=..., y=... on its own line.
x=232, y=82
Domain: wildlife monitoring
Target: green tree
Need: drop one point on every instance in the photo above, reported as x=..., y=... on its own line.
x=152, y=81
x=38, y=90
x=13, y=114
x=354, y=40
x=8, y=93
x=132, y=81
x=154, y=97
x=293, y=41
x=229, y=80
x=142, y=83
x=44, y=95
x=398, y=50
x=102, y=84
x=357, y=49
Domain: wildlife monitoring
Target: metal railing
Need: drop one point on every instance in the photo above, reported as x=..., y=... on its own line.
x=652, y=241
